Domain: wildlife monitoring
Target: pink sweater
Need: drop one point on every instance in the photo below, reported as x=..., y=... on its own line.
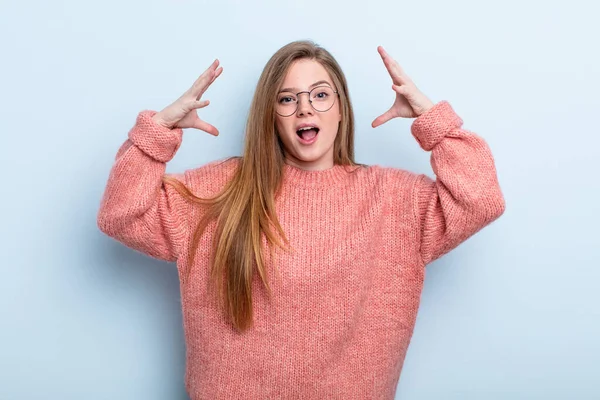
x=344, y=304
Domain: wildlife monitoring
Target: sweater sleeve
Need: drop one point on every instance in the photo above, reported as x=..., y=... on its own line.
x=137, y=209
x=466, y=196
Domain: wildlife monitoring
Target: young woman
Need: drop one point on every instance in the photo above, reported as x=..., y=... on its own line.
x=301, y=270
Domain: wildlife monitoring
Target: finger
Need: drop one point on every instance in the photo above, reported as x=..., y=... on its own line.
x=393, y=68
x=208, y=71
x=200, y=104
x=206, y=127
x=206, y=77
x=199, y=88
x=403, y=90
x=214, y=77
x=383, y=118
x=218, y=72
x=387, y=60
x=204, y=84
x=390, y=61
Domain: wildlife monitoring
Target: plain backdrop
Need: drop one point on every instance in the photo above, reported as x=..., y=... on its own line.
x=513, y=313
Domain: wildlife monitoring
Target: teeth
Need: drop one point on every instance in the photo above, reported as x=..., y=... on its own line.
x=306, y=128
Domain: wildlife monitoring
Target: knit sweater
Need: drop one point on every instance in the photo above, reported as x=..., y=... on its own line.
x=345, y=300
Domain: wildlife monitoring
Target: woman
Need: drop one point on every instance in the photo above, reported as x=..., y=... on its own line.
x=301, y=270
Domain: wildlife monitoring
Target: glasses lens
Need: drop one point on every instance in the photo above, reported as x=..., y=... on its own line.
x=286, y=103
x=322, y=98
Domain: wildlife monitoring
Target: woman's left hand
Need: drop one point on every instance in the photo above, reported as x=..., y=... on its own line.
x=410, y=101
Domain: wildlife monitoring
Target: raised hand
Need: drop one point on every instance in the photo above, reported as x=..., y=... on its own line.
x=182, y=113
x=410, y=101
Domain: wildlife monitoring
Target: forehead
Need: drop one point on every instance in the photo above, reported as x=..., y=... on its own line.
x=303, y=73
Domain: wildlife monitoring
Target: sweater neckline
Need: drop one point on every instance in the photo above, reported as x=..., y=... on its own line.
x=296, y=176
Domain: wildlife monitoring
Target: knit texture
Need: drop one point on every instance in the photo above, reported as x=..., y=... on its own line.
x=345, y=300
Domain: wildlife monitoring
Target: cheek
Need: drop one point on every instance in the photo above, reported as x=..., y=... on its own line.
x=334, y=118
x=336, y=112
x=279, y=129
x=281, y=126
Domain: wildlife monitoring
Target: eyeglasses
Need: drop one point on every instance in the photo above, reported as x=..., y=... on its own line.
x=321, y=98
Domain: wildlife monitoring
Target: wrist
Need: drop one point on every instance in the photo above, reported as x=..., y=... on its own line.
x=159, y=121
x=157, y=141
x=426, y=108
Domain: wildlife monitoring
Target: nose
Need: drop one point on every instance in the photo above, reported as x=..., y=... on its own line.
x=304, y=106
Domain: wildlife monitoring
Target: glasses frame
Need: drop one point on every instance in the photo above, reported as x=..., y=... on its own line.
x=309, y=100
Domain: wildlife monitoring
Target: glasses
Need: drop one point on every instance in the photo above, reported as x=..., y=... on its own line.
x=321, y=98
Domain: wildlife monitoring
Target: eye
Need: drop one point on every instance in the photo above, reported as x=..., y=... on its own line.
x=321, y=94
x=286, y=98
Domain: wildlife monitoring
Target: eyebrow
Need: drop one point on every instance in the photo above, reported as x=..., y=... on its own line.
x=311, y=86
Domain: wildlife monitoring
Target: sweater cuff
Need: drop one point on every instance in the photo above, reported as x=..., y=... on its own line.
x=153, y=139
x=432, y=126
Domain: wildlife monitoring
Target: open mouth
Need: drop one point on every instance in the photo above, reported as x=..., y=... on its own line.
x=307, y=134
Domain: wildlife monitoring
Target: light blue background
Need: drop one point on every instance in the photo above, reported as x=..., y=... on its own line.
x=510, y=314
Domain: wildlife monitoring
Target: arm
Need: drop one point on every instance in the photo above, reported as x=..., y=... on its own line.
x=466, y=195
x=137, y=209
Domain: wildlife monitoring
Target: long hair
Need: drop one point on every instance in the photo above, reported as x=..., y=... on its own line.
x=245, y=208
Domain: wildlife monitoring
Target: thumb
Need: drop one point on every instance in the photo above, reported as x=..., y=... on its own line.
x=383, y=118
x=206, y=127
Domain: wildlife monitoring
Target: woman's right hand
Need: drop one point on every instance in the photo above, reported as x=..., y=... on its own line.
x=182, y=113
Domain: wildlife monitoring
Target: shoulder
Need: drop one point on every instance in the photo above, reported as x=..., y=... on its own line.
x=389, y=178
x=395, y=186
x=211, y=177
